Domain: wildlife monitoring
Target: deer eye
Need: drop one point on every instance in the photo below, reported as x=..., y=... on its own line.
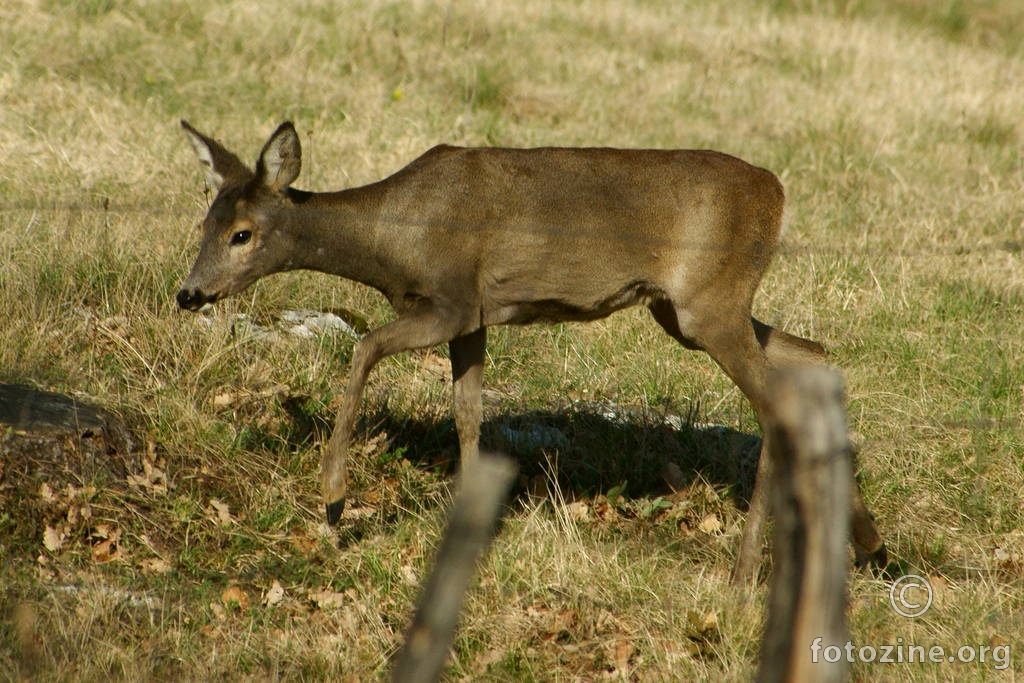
x=241, y=237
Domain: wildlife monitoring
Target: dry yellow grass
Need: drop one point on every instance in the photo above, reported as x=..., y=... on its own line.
x=896, y=129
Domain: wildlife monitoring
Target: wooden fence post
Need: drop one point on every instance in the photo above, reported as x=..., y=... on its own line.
x=811, y=504
x=482, y=490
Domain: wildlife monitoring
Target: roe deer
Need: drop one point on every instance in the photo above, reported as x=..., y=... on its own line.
x=465, y=238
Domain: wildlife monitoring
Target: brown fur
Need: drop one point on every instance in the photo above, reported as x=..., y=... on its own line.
x=465, y=238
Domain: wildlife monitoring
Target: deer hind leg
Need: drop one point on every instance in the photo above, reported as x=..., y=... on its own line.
x=733, y=345
x=787, y=349
x=749, y=373
x=467, y=354
x=422, y=326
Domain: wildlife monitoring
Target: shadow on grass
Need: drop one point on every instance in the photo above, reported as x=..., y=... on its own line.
x=589, y=450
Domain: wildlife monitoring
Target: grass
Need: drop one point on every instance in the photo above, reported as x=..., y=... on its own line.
x=896, y=129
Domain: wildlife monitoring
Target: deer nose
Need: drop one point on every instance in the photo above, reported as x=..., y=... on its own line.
x=192, y=299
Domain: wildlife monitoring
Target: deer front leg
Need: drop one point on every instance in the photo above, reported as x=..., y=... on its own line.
x=869, y=549
x=752, y=539
x=334, y=465
x=467, y=354
x=424, y=325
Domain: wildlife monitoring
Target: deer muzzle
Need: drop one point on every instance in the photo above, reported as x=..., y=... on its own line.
x=194, y=299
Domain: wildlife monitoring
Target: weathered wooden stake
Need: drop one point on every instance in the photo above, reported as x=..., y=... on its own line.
x=811, y=484
x=482, y=490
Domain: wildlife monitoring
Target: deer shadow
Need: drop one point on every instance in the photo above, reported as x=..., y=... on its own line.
x=589, y=450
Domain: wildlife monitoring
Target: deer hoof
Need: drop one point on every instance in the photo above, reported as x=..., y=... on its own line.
x=334, y=511
x=877, y=559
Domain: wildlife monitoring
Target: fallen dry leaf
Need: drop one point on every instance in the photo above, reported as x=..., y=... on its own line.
x=359, y=512
x=106, y=551
x=702, y=631
x=620, y=651
x=43, y=572
x=274, y=594
x=152, y=478
x=105, y=530
x=326, y=599
x=218, y=611
x=409, y=575
x=234, y=597
x=375, y=444
x=223, y=400
x=76, y=512
x=579, y=511
x=711, y=622
x=224, y=516
x=46, y=493
x=53, y=538
x=155, y=565
x=109, y=548
x=304, y=543
x=710, y=524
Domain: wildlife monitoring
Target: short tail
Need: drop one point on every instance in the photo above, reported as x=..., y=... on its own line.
x=785, y=349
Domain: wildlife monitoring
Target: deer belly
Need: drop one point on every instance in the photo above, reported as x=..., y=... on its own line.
x=533, y=304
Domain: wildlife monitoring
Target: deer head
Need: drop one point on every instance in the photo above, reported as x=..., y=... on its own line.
x=242, y=237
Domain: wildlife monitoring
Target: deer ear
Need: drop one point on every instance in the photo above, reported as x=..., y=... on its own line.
x=220, y=165
x=281, y=159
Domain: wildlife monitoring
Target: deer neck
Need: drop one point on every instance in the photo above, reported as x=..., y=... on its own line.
x=339, y=233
